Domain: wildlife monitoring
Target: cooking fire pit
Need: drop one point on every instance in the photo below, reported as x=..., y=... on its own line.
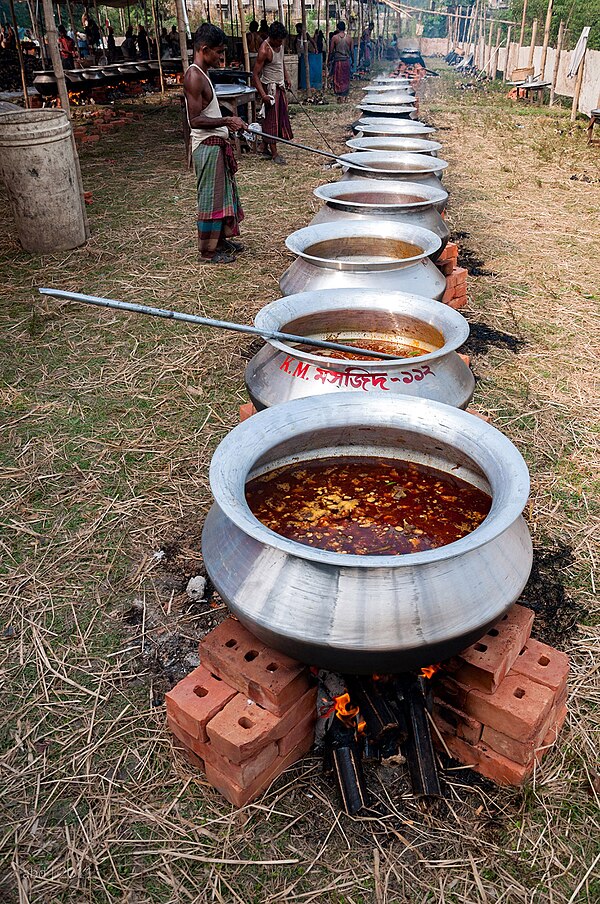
x=423, y=333
x=372, y=255
x=367, y=614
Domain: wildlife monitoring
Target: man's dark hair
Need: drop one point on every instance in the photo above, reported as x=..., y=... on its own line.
x=277, y=31
x=341, y=26
x=253, y=25
x=208, y=36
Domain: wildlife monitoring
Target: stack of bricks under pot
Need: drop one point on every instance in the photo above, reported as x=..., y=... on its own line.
x=248, y=712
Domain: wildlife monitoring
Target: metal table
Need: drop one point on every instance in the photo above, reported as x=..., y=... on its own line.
x=534, y=90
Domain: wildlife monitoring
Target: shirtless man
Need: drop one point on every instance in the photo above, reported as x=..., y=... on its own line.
x=270, y=80
x=219, y=208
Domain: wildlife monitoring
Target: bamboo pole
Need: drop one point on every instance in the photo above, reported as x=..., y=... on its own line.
x=506, y=62
x=578, y=84
x=72, y=20
x=57, y=65
x=487, y=50
x=523, y=19
x=559, y=47
x=305, y=46
x=244, y=38
x=157, y=39
x=182, y=34
x=19, y=53
x=546, y=37
x=532, y=45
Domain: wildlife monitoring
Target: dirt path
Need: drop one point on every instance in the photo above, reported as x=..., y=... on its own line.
x=108, y=425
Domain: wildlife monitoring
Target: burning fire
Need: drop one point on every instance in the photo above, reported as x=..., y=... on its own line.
x=428, y=671
x=344, y=710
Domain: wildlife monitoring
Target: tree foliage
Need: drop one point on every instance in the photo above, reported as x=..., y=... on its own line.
x=575, y=14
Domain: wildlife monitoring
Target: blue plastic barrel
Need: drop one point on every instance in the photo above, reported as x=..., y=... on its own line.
x=315, y=67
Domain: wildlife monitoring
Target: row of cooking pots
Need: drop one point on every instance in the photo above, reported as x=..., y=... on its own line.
x=364, y=269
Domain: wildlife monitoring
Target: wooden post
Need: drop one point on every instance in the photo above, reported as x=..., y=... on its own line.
x=182, y=34
x=578, y=84
x=157, y=39
x=559, y=47
x=244, y=38
x=487, y=53
x=506, y=62
x=19, y=53
x=523, y=19
x=304, y=46
x=532, y=45
x=72, y=21
x=57, y=65
x=546, y=37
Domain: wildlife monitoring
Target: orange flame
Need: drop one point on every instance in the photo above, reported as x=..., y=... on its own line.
x=428, y=671
x=345, y=710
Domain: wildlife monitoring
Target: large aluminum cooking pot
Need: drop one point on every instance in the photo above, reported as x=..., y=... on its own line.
x=393, y=111
x=403, y=144
x=386, y=89
x=393, y=165
x=381, y=199
x=282, y=371
x=390, y=80
x=381, y=125
x=368, y=614
x=389, y=98
x=370, y=255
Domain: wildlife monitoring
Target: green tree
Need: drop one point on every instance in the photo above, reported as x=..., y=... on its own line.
x=575, y=13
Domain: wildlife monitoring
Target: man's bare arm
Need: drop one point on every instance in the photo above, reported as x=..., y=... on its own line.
x=198, y=98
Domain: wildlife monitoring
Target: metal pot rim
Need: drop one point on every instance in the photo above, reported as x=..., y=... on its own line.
x=432, y=195
x=423, y=163
x=304, y=238
x=382, y=108
x=450, y=323
x=240, y=449
x=388, y=141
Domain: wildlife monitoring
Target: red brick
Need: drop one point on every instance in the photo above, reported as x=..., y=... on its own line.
x=119, y=122
x=189, y=756
x=242, y=773
x=455, y=303
x=553, y=732
x=246, y=411
x=241, y=729
x=456, y=722
x=196, y=699
x=305, y=706
x=518, y=708
x=266, y=676
x=303, y=729
x=465, y=358
x=239, y=796
x=450, y=691
x=487, y=762
x=475, y=413
x=543, y=664
x=485, y=663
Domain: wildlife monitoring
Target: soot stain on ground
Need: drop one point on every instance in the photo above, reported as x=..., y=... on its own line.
x=556, y=614
x=483, y=337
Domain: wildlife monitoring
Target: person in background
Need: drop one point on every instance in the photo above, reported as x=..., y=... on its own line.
x=111, y=47
x=92, y=32
x=128, y=46
x=142, y=42
x=263, y=29
x=319, y=40
x=174, y=42
x=66, y=48
x=253, y=37
x=271, y=80
x=219, y=208
x=341, y=56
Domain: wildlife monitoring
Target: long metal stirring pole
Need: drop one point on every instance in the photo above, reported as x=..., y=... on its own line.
x=306, y=147
x=219, y=324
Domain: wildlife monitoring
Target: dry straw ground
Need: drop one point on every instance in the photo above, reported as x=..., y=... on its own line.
x=108, y=424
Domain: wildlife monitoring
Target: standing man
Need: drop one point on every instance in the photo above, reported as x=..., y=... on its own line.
x=219, y=208
x=270, y=80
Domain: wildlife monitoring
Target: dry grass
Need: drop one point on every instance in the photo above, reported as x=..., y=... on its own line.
x=108, y=425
